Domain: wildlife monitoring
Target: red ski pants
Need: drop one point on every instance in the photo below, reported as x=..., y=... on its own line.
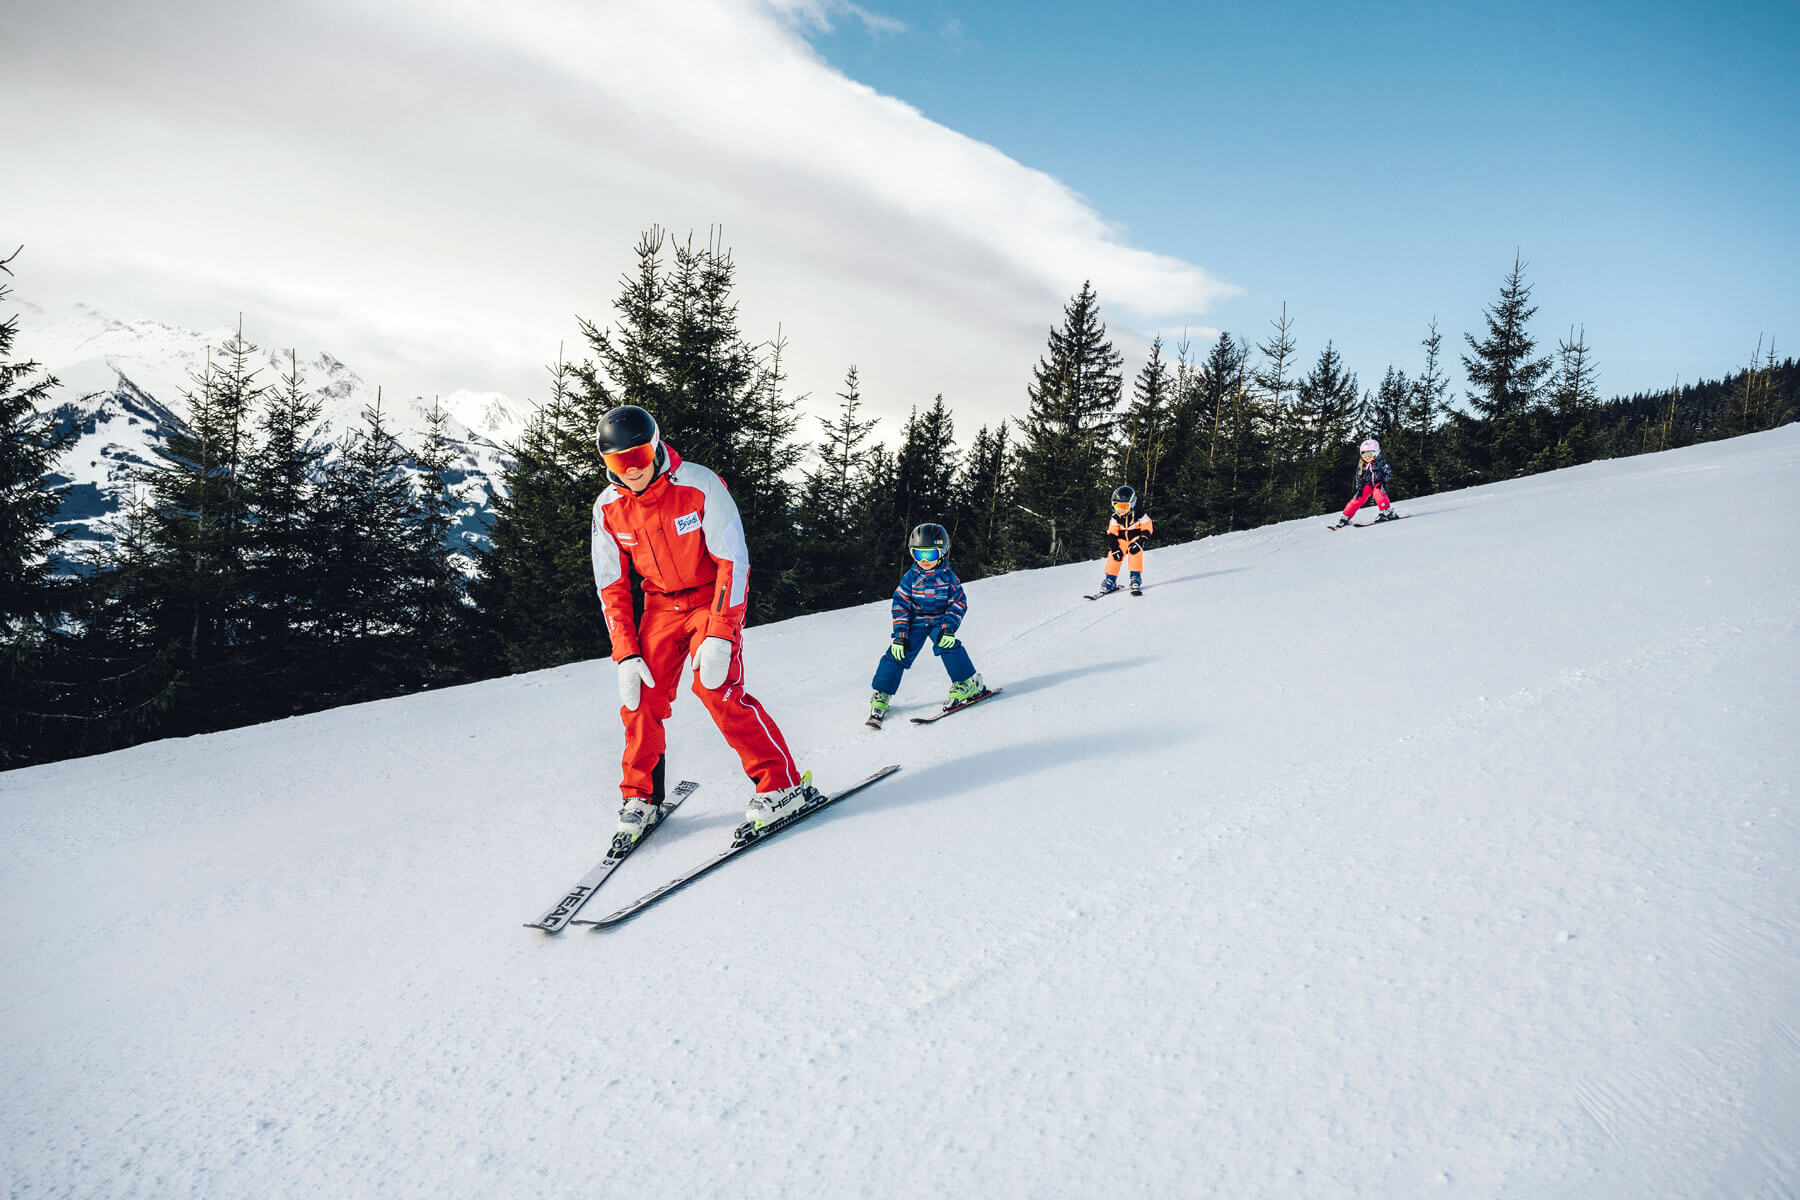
x=667, y=637
x=1381, y=500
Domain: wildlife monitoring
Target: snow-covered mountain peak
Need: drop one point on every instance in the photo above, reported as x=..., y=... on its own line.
x=125, y=384
x=494, y=415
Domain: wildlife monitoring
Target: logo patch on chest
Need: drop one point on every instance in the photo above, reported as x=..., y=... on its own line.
x=688, y=523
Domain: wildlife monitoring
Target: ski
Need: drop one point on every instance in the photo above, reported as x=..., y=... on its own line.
x=956, y=708
x=565, y=909
x=732, y=851
x=1107, y=592
x=1366, y=524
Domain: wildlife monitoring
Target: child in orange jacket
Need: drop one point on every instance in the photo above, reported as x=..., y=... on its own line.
x=1127, y=531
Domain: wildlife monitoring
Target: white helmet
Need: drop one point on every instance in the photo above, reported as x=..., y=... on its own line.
x=1371, y=446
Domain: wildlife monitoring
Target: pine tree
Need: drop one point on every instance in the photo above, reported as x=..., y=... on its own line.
x=1507, y=383
x=1144, y=443
x=632, y=355
x=196, y=581
x=765, y=496
x=1275, y=382
x=118, y=678
x=30, y=444
x=1221, y=379
x=1326, y=416
x=1221, y=449
x=676, y=351
x=281, y=483
x=1181, y=441
x=368, y=508
x=1424, y=411
x=1244, y=443
x=1740, y=410
x=839, y=519
x=1757, y=401
x=843, y=456
x=32, y=601
x=1067, y=430
x=880, y=553
x=925, y=467
x=435, y=584
x=534, y=585
x=979, y=537
x=1573, y=397
x=166, y=627
x=706, y=369
x=1387, y=408
x=1774, y=404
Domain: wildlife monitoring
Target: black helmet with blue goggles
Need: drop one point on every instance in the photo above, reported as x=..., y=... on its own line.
x=929, y=544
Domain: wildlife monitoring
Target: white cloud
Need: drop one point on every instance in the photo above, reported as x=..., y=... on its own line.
x=432, y=190
x=816, y=14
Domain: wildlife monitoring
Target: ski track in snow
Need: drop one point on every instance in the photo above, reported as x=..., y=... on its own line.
x=1462, y=860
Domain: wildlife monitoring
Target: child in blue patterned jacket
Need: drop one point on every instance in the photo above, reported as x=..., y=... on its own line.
x=929, y=606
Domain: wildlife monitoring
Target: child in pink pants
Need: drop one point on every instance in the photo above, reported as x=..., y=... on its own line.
x=1372, y=476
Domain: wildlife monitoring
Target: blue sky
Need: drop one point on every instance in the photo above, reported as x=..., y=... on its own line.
x=433, y=190
x=1375, y=166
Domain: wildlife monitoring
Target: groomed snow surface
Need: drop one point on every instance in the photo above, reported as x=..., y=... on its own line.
x=1452, y=857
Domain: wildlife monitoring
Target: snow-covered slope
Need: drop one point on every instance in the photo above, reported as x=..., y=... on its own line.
x=124, y=385
x=1458, y=856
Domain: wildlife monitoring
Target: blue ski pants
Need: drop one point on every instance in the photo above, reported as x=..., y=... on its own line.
x=889, y=669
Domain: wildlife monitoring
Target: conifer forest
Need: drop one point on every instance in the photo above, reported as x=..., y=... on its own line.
x=254, y=578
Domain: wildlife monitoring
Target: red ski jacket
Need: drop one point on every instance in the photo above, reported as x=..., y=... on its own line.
x=683, y=535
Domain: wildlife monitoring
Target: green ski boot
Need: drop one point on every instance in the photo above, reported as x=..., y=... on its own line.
x=967, y=690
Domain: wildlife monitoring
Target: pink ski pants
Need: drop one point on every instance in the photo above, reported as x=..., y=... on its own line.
x=1381, y=500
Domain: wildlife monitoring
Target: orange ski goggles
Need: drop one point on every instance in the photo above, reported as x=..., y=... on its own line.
x=1121, y=509
x=633, y=458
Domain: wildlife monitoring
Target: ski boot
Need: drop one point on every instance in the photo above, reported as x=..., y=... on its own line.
x=637, y=816
x=1137, y=584
x=1109, y=583
x=967, y=690
x=878, y=709
x=1341, y=522
x=766, y=808
x=1389, y=515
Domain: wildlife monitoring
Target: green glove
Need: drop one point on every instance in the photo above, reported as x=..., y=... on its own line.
x=898, y=650
x=947, y=641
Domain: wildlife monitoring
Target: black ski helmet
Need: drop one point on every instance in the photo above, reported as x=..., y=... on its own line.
x=929, y=537
x=626, y=428
x=1123, y=494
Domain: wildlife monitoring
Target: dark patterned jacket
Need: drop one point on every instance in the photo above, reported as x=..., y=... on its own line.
x=1377, y=473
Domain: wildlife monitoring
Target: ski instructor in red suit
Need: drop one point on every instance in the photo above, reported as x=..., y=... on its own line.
x=674, y=523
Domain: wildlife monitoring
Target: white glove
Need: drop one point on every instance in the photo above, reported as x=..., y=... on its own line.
x=633, y=675
x=715, y=662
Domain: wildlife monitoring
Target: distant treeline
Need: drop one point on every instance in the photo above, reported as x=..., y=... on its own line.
x=251, y=580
